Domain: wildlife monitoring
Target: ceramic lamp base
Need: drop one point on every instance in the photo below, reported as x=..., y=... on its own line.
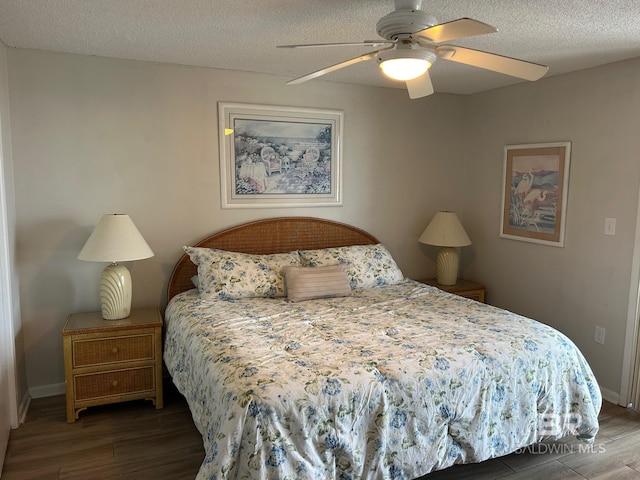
x=115, y=292
x=447, y=266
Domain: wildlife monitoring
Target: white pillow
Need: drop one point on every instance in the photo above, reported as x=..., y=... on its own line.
x=306, y=283
x=233, y=275
x=367, y=265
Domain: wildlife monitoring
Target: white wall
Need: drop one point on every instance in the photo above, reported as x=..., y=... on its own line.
x=7, y=355
x=93, y=135
x=586, y=283
x=13, y=386
x=11, y=290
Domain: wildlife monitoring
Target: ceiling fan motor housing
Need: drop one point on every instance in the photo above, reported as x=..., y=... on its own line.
x=404, y=21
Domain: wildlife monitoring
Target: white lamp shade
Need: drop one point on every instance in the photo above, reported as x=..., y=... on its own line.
x=445, y=230
x=115, y=239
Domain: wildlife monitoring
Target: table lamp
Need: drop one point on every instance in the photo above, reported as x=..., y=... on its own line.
x=446, y=231
x=115, y=239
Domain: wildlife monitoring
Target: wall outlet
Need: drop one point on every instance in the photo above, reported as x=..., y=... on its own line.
x=599, y=335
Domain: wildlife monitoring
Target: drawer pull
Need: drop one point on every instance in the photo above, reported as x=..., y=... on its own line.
x=114, y=383
x=114, y=350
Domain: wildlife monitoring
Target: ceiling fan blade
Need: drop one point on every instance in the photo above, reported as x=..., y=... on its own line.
x=366, y=43
x=463, y=27
x=337, y=66
x=491, y=61
x=420, y=87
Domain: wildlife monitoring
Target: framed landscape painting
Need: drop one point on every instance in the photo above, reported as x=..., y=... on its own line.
x=273, y=156
x=534, y=192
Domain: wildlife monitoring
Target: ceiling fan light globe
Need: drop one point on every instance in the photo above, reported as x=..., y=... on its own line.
x=404, y=68
x=406, y=63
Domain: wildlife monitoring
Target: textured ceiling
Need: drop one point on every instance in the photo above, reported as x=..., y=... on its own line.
x=566, y=35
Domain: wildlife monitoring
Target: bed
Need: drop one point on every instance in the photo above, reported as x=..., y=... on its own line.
x=390, y=379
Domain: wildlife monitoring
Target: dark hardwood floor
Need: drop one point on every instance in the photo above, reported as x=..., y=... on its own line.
x=135, y=441
x=129, y=440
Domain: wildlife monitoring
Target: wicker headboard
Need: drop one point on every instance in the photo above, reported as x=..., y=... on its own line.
x=273, y=235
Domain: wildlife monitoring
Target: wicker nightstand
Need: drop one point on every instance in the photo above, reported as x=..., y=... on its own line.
x=464, y=288
x=109, y=361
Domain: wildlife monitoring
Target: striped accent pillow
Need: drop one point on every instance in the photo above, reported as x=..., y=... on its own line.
x=306, y=283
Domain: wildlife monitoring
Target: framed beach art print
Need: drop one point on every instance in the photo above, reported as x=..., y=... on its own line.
x=276, y=156
x=534, y=192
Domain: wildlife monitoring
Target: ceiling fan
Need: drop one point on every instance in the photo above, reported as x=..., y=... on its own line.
x=413, y=41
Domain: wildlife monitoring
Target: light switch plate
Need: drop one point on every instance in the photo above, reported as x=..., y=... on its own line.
x=609, y=226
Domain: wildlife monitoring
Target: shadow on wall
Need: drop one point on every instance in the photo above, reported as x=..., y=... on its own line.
x=50, y=274
x=53, y=283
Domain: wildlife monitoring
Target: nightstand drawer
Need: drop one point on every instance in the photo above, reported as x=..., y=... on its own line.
x=112, y=350
x=117, y=382
x=109, y=361
x=463, y=288
x=477, y=295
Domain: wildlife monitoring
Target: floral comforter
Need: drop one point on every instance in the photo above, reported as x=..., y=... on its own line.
x=390, y=383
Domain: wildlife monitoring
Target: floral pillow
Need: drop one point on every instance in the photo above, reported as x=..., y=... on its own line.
x=367, y=265
x=233, y=275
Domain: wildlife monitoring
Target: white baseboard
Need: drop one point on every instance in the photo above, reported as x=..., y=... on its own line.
x=38, y=392
x=23, y=408
x=47, y=390
x=610, y=396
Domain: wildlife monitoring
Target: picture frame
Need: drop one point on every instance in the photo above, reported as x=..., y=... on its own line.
x=279, y=156
x=534, y=192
